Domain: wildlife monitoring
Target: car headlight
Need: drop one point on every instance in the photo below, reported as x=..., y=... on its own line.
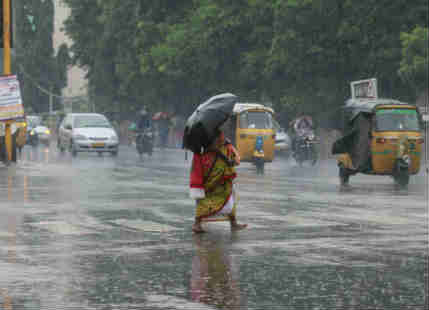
x=79, y=137
x=114, y=138
x=32, y=133
x=47, y=131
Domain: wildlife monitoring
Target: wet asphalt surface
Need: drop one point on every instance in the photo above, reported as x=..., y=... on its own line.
x=115, y=233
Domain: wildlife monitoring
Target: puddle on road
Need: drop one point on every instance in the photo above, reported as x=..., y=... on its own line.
x=62, y=228
x=6, y=234
x=302, y=233
x=146, y=226
x=174, y=303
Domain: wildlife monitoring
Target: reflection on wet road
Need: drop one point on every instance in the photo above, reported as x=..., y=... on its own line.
x=114, y=233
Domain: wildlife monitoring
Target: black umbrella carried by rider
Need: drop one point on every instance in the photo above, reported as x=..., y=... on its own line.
x=200, y=129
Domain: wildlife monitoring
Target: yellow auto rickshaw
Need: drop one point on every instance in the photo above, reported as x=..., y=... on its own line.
x=252, y=131
x=380, y=137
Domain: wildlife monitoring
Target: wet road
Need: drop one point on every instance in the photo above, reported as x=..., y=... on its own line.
x=114, y=233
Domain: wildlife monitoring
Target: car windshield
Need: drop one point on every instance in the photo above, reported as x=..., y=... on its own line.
x=91, y=121
x=256, y=120
x=33, y=121
x=397, y=119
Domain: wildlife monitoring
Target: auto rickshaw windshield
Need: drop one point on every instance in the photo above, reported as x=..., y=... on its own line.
x=256, y=120
x=397, y=119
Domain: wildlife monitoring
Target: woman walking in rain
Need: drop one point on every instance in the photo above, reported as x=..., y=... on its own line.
x=211, y=183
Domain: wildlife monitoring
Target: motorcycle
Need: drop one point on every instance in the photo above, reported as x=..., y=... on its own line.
x=305, y=149
x=259, y=155
x=144, y=142
x=33, y=138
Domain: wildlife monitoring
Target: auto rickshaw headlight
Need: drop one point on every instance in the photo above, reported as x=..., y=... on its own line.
x=32, y=132
x=47, y=131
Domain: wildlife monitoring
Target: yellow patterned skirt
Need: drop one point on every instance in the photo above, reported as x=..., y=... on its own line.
x=217, y=205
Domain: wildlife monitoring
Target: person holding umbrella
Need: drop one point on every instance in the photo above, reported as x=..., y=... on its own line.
x=213, y=163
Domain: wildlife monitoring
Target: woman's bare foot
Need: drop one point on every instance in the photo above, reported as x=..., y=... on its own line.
x=235, y=226
x=196, y=228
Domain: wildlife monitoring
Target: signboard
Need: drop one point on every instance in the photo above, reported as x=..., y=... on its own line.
x=10, y=98
x=364, y=89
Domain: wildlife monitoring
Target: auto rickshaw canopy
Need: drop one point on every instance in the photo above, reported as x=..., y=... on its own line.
x=354, y=107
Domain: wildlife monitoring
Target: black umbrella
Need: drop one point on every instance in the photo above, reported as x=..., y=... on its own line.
x=201, y=126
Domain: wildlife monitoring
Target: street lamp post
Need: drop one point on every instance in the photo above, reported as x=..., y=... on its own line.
x=7, y=71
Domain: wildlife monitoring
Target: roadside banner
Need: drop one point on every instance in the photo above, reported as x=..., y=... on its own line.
x=364, y=89
x=10, y=98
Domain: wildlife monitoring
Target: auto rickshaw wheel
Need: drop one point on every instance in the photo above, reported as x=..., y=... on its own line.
x=344, y=176
x=14, y=147
x=402, y=177
x=260, y=164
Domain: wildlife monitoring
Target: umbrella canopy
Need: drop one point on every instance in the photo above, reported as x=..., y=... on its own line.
x=160, y=115
x=201, y=126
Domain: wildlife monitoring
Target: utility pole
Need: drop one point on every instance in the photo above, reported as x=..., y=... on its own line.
x=51, y=101
x=7, y=71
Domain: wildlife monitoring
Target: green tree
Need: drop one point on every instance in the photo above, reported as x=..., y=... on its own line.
x=320, y=46
x=299, y=55
x=414, y=63
x=35, y=61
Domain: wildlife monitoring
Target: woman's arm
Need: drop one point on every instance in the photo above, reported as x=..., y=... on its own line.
x=233, y=153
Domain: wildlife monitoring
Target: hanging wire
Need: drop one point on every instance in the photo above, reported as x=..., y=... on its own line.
x=42, y=89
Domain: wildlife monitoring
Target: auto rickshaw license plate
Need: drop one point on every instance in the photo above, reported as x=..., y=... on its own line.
x=99, y=144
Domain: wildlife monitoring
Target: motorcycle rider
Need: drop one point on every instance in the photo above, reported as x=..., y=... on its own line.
x=143, y=121
x=301, y=127
x=143, y=131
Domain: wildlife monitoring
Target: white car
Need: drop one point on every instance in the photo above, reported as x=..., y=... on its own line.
x=87, y=132
x=282, y=140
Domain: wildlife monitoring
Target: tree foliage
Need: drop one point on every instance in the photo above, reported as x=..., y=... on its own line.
x=298, y=55
x=36, y=63
x=414, y=63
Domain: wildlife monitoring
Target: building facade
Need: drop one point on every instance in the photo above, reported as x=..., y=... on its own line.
x=77, y=83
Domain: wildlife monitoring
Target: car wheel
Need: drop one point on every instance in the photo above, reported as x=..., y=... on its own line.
x=72, y=149
x=402, y=177
x=60, y=147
